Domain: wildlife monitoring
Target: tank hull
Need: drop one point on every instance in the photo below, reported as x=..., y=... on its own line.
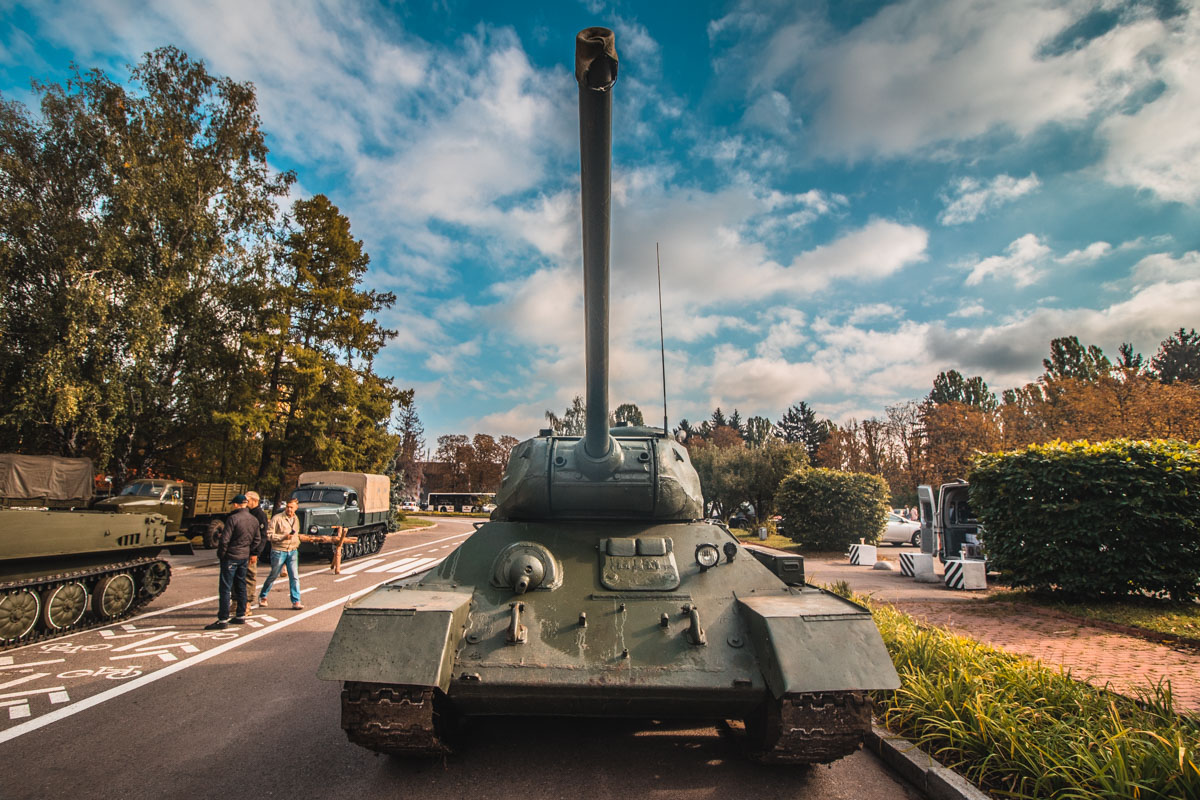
x=65, y=571
x=612, y=635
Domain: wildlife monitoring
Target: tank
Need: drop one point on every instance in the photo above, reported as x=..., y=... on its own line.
x=596, y=589
x=62, y=571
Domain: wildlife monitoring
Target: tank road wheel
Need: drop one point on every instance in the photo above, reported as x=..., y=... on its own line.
x=18, y=614
x=63, y=606
x=113, y=594
x=409, y=721
x=813, y=728
x=156, y=578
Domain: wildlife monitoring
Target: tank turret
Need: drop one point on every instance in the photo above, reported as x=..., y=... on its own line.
x=596, y=591
x=606, y=474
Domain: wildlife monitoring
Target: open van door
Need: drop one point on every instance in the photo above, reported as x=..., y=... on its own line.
x=927, y=505
x=956, y=523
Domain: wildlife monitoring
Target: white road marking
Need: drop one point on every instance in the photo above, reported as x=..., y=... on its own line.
x=115, y=692
x=142, y=642
x=389, y=566
x=6, y=662
x=51, y=690
x=370, y=562
x=35, y=676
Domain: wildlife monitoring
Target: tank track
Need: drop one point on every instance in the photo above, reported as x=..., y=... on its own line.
x=810, y=728
x=90, y=575
x=394, y=719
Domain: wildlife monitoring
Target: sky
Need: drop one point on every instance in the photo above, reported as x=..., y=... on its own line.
x=848, y=197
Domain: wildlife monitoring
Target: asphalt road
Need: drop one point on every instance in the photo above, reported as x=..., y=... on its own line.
x=156, y=707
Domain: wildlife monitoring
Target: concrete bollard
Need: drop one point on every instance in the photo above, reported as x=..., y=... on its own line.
x=862, y=555
x=916, y=565
x=966, y=574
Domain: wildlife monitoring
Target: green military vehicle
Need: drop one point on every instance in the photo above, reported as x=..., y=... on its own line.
x=188, y=507
x=597, y=589
x=45, y=481
x=357, y=501
x=61, y=571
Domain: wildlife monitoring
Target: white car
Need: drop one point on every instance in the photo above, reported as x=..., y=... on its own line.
x=409, y=506
x=899, y=530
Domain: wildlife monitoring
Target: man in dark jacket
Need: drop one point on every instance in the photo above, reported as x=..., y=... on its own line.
x=239, y=538
x=262, y=553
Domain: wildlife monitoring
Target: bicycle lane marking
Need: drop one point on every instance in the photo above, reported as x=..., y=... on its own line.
x=146, y=679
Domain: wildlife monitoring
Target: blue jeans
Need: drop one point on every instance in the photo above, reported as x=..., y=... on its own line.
x=278, y=559
x=233, y=579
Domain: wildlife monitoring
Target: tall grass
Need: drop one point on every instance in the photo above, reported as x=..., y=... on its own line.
x=1023, y=730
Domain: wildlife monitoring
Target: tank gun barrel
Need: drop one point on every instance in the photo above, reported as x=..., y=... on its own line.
x=596, y=72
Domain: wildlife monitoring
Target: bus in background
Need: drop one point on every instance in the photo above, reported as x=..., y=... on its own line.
x=460, y=502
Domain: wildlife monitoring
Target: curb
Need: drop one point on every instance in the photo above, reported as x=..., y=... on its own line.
x=921, y=770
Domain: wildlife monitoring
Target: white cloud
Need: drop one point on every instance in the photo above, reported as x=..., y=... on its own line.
x=1019, y=264
x=1093, y=252
x=1157, y=147
x=873, y=311
x=969, y=198
x=969, y=309
x=1162, y=267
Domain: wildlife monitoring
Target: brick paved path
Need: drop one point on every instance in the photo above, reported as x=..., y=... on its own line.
x=1099, y=656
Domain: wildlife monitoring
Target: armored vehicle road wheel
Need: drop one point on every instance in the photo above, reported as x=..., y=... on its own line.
x=813, y=728
x=64, y=605
x=113, y=594
x=156, y=578
x=409, y=721
x=18, y=614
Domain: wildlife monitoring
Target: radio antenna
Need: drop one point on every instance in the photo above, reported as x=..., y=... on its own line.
x=662, y=343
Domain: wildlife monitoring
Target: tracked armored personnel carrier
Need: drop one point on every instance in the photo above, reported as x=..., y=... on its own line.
x=61, y=571
x=596, y=590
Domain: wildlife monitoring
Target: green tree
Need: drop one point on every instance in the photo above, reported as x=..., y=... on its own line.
x=573, y=421
x=800, y=424
x=1178, y=358
x=1070, y=359
x=324, y=405
x=952, y=387
x=759, y=431
x=629, y=414
x=135, y=227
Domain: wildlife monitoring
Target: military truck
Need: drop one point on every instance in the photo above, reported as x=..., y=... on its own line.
x=358, y=501
x=188, y=507
x=949, y=528
x=45, y=481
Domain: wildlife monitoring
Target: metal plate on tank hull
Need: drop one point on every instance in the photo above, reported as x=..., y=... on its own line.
x=641, y=564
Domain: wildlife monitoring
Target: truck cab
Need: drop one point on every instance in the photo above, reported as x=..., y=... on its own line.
x=949, y=527
x=149, y=495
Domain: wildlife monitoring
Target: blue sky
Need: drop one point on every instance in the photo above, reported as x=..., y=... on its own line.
x=849, y=197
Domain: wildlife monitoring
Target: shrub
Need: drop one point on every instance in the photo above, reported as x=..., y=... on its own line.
x=1090, y=520
x=824, y=509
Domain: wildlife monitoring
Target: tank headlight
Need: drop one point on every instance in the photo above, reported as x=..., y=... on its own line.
x=707, y=555
x=312, y=530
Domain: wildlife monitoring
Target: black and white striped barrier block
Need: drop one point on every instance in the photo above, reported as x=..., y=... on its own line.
x=966, y=574
x=915, y=564
x=862, y=555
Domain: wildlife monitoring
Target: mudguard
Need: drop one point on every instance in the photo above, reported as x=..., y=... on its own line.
x=413, y=625
x=816, y=642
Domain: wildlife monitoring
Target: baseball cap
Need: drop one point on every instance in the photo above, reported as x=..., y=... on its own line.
x=241, y=498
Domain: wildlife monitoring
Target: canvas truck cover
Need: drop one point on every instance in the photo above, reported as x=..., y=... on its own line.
x=49, y=477
x=374, y=491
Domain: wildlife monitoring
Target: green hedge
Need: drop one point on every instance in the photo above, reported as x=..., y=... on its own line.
x=824, y=509
x=1091, y=520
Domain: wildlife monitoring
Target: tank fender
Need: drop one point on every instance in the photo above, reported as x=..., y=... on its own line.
x=812, y=641
x=398, y=635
